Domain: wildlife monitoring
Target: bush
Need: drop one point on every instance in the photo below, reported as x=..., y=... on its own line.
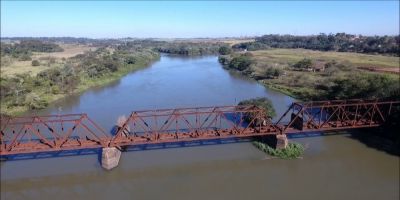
x=362, y=86
x=224, y=50
x=303, y=64
x=293, y=150
x=55, y=89
x=273, y=72
x=35, y=63
x=130, y=60
x=261, y=102
x=241, y=63
x=33, y=101
x=224, y=60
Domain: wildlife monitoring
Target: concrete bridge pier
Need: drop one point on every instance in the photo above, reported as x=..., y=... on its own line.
x=110, y=157
x=281, y=141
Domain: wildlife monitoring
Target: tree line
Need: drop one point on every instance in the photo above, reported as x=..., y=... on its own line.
x=341, y=42
x=23, y=50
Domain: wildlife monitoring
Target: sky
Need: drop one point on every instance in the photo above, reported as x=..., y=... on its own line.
x=186, y=19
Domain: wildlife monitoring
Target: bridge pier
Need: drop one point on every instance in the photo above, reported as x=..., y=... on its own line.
x=281, y=141
x=110, y=157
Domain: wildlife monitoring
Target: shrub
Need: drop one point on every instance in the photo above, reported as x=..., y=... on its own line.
x=303, y=64
x=130, y=60
x=273, y=72
x=55, y=89
x=224, y=60
x=35, y=63
x=293, y=150
x=33, y=101
x=224, y=50
x=241, y=63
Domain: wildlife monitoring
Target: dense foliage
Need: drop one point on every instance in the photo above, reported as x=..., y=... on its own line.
x=364, y=86
x=26, y=46
x=333, y=42
x=23, y=50
x=190, y=48
x=241, y=62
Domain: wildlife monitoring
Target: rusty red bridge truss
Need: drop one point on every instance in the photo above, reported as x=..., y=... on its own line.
x=51, y=133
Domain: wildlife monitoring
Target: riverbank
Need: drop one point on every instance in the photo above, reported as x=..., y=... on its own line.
x=316, y=75
x=85, y=83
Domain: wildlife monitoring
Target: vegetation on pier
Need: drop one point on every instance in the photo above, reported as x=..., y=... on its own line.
x=293, y=150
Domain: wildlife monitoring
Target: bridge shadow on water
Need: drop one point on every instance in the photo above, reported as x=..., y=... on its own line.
x=142, y=147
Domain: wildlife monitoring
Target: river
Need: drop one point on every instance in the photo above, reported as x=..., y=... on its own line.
x=333, y=167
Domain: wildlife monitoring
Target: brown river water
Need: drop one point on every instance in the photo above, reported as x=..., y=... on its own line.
x=333, y=166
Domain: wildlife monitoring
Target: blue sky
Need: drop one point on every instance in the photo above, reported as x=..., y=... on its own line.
x=102, y=19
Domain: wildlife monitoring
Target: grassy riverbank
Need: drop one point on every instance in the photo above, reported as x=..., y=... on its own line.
x=316, y=75
x=39, y=91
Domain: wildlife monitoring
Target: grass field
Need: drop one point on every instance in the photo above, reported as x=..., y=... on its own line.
x=290, y=56
x=232, y=42
x=18, y=67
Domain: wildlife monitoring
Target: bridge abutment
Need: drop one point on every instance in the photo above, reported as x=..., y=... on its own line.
x=281, y=141
x=110, y=157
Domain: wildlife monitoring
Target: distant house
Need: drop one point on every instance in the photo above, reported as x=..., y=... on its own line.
x=317, y=67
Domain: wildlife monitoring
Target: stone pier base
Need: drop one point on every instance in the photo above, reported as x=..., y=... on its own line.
x=281, y=141
x=110, y=157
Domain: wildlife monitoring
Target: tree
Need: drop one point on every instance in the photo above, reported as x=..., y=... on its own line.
x=35, y=63
x=241, y=62
x=261, y=102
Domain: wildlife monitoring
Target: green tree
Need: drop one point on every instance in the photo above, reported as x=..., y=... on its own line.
x=261, y=102
x=241, y=62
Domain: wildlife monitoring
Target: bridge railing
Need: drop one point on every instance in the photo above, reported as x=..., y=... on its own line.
x=171, y=125
x=340, y=114
x=50, y=133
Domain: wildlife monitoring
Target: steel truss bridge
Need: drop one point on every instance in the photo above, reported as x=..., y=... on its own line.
x=50, y=133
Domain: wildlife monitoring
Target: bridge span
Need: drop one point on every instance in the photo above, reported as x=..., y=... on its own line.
x=34, y=134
